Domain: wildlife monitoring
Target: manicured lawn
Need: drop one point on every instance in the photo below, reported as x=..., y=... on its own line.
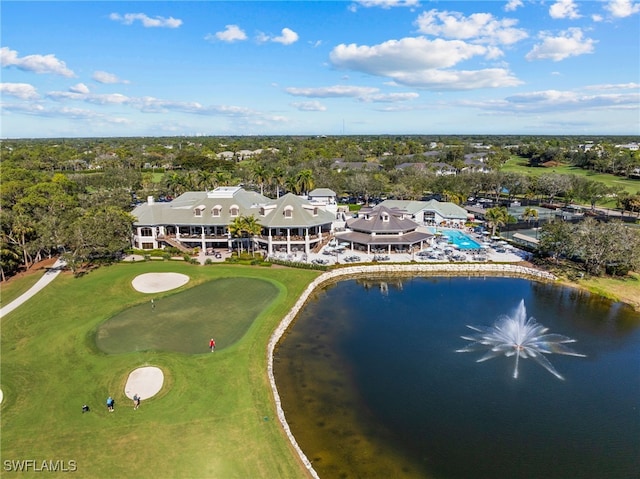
x=519, y=165
x=213, y=418
x=626, y=289
x=10, y=290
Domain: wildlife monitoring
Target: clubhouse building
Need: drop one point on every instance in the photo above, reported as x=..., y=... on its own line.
x=201, y=220
x=289, y=224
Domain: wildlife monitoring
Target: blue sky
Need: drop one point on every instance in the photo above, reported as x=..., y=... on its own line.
x=85, y=69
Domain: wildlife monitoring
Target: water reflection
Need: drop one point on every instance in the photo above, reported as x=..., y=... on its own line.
x=372, y=387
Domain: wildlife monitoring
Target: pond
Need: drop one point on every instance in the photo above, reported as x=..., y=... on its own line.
x=372, y=384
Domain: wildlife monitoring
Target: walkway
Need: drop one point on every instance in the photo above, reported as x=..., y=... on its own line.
x=49, y=276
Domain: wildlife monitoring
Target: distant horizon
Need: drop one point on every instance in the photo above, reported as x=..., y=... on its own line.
x=479, y=135
x=115, y=69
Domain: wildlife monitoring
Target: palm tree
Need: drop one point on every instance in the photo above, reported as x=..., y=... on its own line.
x=252, y=229
x=496, y=217
x=278, y=176
x=244, y=227
x=261, y=176
x=205, y=179
x=305, y=181
x=176, y=183
x=236, y=230
x=530, y=214
x=291, y=184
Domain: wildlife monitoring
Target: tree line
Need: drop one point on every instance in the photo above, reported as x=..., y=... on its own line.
x=75, y=196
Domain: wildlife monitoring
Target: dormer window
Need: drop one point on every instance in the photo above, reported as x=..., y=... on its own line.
x=234, y=210
x=197, y=211
x=315, y=211
x=215, y=211
x=288, y=212
x=262, y=212
x=385, y=217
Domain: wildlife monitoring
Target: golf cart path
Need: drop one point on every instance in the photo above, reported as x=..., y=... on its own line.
x=49, y=276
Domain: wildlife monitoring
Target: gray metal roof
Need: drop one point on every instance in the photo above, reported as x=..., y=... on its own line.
x=382, y=220
x=302, y=213
x=363, y=238
x=182, y=210
x=323, y=192
x=443, y=208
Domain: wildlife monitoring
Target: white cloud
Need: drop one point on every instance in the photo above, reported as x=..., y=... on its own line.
x=105, y=77
x=79, y=88
x=615, y=86
x=231, y=33
x=24, y=91
x=362, y=94
x=478, y=27
x=286, y=37
x=386, y=3
x=564, y=9
x=389, y=97
x=622, y=8
x=34, y=63
x=567, y=44
x=407, y=54
x=418, y=62
x=147, y=22
x=443, y=80
x=309, y=106
x=570, y=100
x=36, y=109
x=512, y=5
x=336, y=91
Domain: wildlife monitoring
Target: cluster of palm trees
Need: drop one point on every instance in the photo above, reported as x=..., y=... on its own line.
x=499, y=216
x=276, y=179
x=245, y=228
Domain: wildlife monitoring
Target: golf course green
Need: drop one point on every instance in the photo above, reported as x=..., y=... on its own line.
x=214, y=416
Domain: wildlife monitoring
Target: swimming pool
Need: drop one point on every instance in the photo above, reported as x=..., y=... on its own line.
x=461, y=240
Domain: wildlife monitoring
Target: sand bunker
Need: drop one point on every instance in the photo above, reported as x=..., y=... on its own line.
x=158, y=282
x=145, y=382
x=1, y=396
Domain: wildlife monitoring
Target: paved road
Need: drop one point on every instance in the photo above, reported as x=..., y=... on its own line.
x=49, y=276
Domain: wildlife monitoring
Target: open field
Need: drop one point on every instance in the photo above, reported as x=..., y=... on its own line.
x=519, y=165
x=213, y=418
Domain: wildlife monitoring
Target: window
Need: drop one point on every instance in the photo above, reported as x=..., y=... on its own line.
x=147, y=245
x=215, y=211
x=197, y=211
x=315, y=211
x=234, y=210
x=146, y=232
x=288, y=212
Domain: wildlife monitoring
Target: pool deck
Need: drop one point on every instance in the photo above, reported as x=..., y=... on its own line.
x=439, y=252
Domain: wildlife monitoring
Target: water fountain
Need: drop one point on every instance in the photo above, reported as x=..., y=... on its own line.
x=520, y=337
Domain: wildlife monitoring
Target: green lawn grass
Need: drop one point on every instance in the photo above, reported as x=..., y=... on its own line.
x=184, y=322
x=14, y=287
x=519, y=165
x=213, y=418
